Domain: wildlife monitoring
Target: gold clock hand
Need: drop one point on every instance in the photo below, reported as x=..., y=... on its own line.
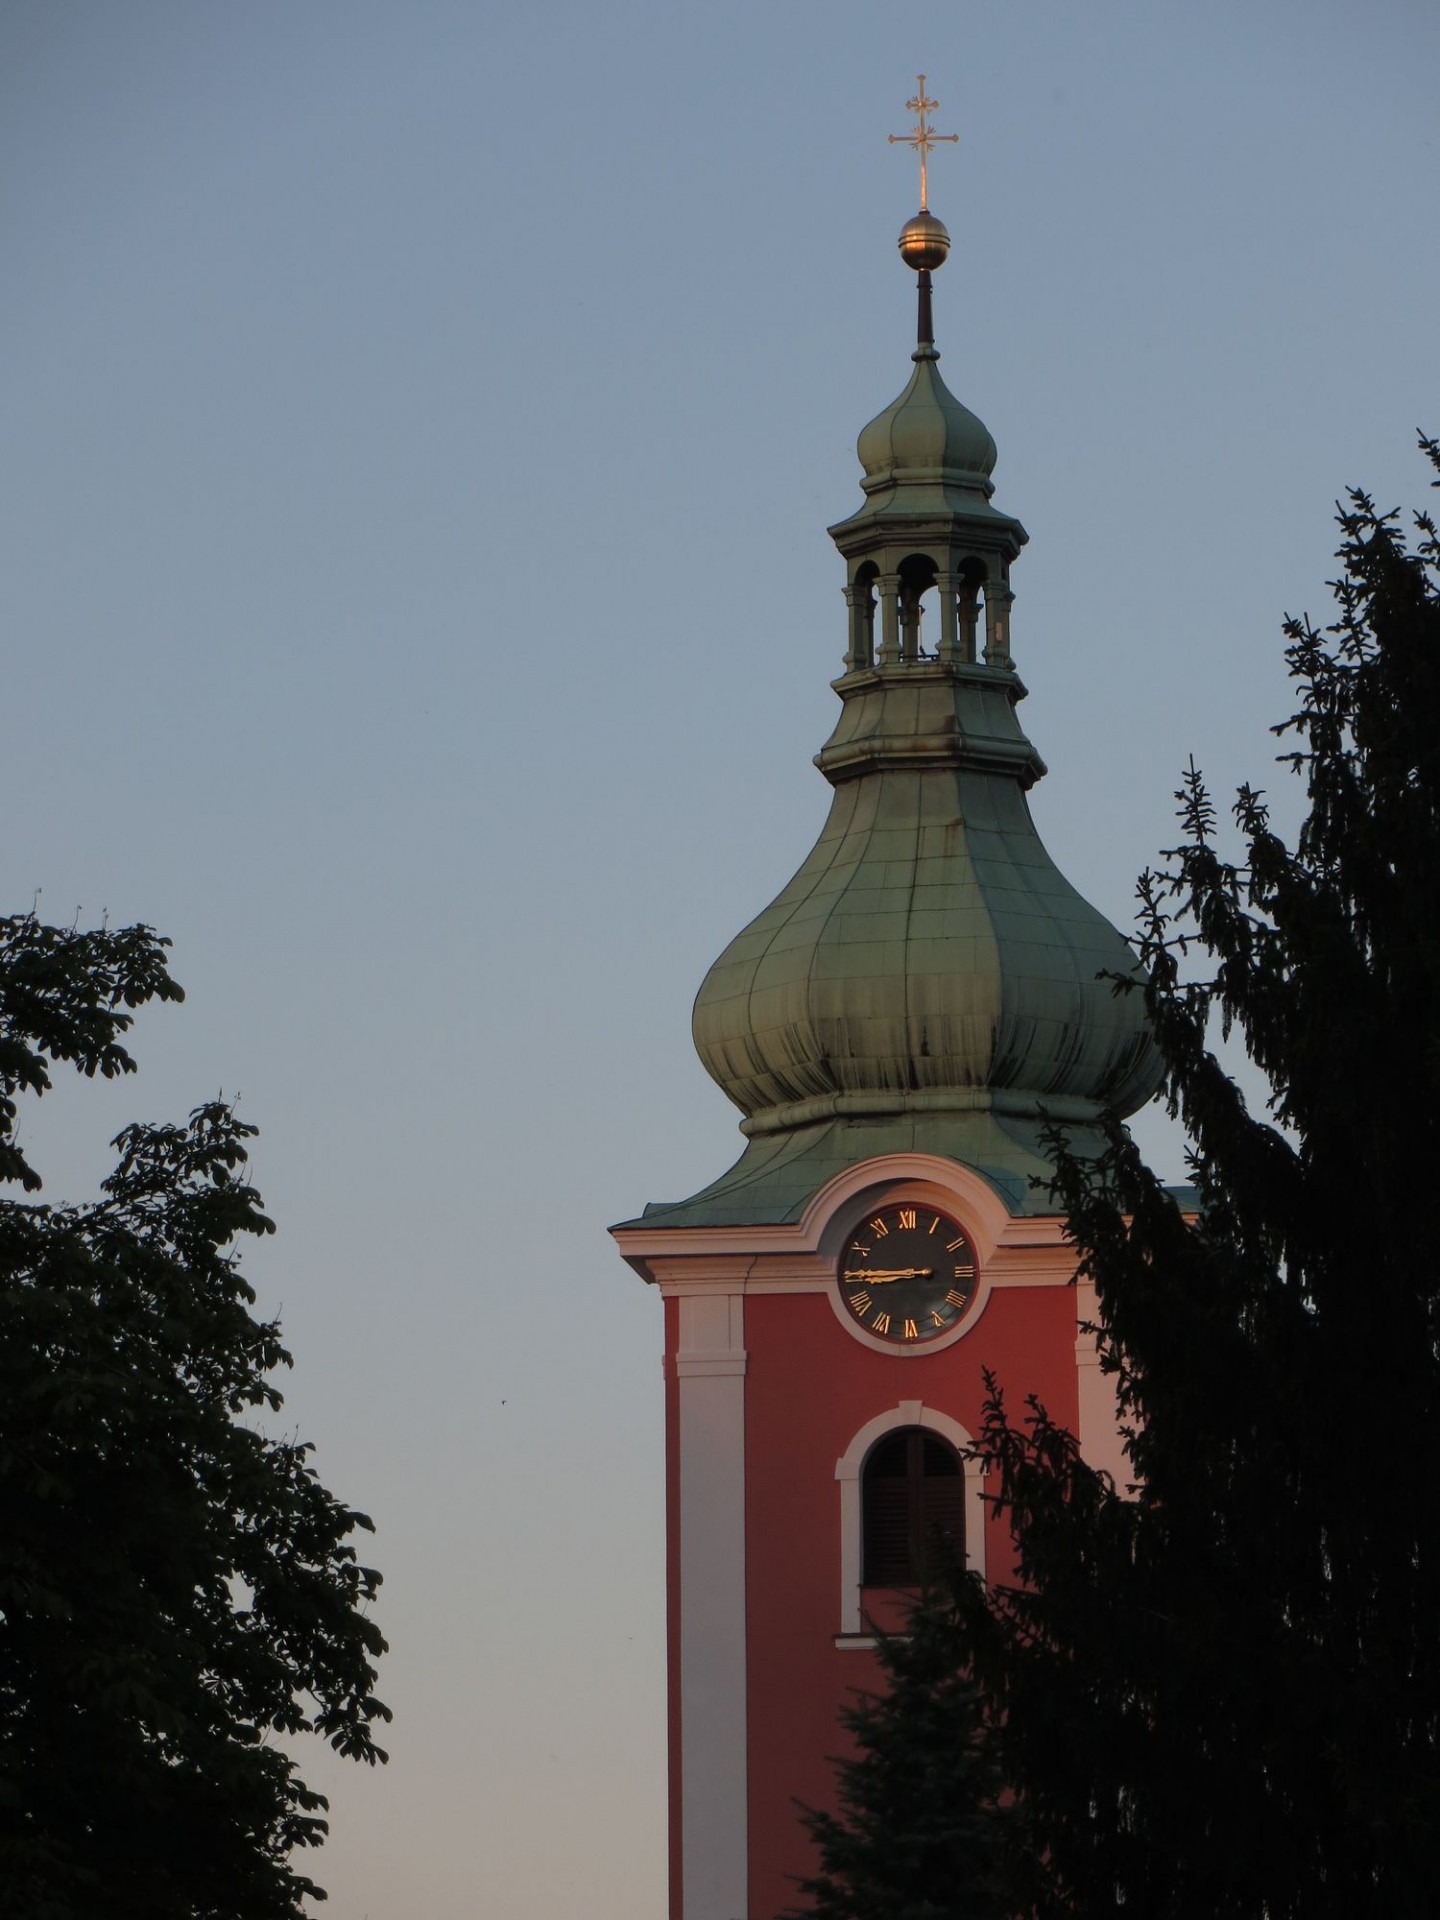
x=881, y=1275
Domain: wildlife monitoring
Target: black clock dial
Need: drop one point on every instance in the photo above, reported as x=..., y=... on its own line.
x=908, y=1273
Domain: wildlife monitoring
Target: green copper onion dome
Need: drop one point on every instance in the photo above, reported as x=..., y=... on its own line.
x=926, y=441
x=928, y=958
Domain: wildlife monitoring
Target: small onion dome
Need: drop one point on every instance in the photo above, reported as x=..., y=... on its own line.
x=924, y=242
x=927, y=430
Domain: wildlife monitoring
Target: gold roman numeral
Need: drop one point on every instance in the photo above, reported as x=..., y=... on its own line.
x=907, y=1216
x=881, y=1323
x=933, y=1225
x=861, y=1302
x=936, y=1320
x=878, y=1226
x=964, y=1269
x=951, y=1245
x=955, y=1299
x=912, y=1332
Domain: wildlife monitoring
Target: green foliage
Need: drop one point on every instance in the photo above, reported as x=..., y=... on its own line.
x=176, y=1588
x=920, y=1833
x=1220, y=1694
x=68, y=996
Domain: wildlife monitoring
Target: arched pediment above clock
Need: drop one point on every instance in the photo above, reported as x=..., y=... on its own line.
x=801, y=1253
x=923, y=1176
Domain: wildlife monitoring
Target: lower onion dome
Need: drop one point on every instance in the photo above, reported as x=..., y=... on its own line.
x=927, y=955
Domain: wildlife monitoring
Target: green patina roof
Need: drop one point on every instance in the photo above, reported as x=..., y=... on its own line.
x=928, y=949
x=928, y=981
x=926, y=453
x=778, y=1173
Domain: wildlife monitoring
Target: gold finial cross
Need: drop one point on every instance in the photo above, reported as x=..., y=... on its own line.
x=923, y=138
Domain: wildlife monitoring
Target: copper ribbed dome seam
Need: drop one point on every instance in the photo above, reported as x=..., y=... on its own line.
x=745, y=1041
x=1099, y=1020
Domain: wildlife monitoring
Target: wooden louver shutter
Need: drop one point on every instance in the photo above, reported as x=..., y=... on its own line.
x=912, y=1508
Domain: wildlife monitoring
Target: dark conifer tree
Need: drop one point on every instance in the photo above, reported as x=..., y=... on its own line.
x=1215, y=1692
x=1219, y=1690
x=920, y=1833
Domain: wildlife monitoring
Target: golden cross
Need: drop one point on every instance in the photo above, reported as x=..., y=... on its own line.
x=924, y=136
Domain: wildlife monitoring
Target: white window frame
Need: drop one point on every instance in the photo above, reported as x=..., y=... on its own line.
x=848, y=1470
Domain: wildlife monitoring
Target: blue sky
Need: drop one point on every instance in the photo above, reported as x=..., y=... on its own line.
x=422, y=422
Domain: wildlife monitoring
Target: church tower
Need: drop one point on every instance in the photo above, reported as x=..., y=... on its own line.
x=897, y=1028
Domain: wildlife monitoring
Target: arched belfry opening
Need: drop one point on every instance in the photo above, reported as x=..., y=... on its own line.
x=998, y=598
x=954, y=609
x=860, y=598
x=970, y=580
x=912, y=1502
x=916, y=581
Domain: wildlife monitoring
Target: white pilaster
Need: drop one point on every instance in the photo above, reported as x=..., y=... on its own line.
x=710, y=1369
x=1101, y=1443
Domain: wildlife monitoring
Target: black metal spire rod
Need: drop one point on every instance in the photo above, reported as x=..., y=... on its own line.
x=925, y=319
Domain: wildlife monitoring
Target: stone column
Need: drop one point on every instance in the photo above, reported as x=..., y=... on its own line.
x=947, y=586
x=998, y=598
x=888, y=587
x=860, y=599
x=909, y=625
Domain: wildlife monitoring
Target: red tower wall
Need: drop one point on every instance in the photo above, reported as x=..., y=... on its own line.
x=773, y=1400
x=809, y=1388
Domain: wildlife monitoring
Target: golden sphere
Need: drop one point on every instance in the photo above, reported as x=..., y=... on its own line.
x=924, y=242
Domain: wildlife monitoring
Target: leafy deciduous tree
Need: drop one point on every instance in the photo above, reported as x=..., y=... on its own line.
x=177, y=1589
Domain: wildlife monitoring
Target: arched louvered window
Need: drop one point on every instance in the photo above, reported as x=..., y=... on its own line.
x=912, y=1508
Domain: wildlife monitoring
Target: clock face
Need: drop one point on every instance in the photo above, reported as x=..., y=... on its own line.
x=908, y=1273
